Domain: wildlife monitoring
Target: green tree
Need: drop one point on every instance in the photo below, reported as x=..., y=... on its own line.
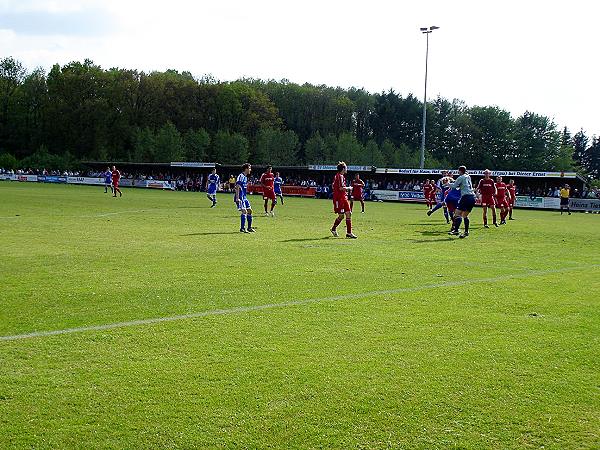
x=196, y=145
x=144, y=149
x=374, y=154
x=580, y=145
x=8, y=161
x=314, y=149
x=348, y=148
x=276, y=147
x=169, y=144
x=230, y=148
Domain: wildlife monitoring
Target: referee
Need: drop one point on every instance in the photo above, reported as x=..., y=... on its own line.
x=565, y=192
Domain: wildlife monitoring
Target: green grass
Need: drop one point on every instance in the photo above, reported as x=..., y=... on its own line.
x=389, y=341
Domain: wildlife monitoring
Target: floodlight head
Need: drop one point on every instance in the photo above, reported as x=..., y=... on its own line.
x=423, y=29
x=434, y=28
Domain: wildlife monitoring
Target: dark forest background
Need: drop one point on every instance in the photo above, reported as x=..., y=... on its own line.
x=81, y=111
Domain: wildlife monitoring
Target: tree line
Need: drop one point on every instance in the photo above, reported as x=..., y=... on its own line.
x=82, y=112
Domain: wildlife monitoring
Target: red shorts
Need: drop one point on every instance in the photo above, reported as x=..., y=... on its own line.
x=115, y=183
x=268, y=194
x=357, y=198
x=341, y=205
x=488, y=201
x=430, y=196
x=502, y=202
x=511, y=202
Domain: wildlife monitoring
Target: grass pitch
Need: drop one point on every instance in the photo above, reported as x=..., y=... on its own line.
x=404, y=338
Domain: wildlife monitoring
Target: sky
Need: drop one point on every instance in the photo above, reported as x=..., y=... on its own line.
x=526, y=55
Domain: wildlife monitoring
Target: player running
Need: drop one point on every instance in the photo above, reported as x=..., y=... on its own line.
x=357, y=193
x=466, y=202
x=512, y=190
x=277, y=183
x=429, y=193
x=267, y=181
x=116, y=176
x=442, y=187
x=212, y=186
x=241, y=200
x=340, y=201
x=501, y=200
x=486, y=188
x=108, y=180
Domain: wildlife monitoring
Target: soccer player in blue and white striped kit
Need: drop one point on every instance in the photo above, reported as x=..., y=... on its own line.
x=277, y=184
x=241, y=200
x=466, y=202
x=212, y=186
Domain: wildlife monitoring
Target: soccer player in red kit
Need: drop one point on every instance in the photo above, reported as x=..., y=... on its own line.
x=357, y=193
x=429, y=192
x=341, y=206
x=267, y=180
x=501, y=200
x=116, y=176
x=512, y=190
x=487, y=192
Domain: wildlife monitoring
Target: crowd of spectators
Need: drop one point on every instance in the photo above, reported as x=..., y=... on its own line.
x=194, y=182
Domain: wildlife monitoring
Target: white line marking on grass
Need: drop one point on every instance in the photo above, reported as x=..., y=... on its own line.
x=242, y=309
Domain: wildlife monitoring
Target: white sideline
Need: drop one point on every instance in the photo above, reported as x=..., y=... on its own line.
x=242, y=309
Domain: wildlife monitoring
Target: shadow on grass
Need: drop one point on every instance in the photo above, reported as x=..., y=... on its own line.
x=211, y=233
x=308, y=239
x=427, y=241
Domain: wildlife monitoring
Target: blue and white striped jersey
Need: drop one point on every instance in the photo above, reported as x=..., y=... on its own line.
x=242, y=182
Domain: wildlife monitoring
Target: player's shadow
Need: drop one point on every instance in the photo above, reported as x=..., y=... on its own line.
x=211, y=233
x=432, y=232
x=307, y=239
x=427, y=241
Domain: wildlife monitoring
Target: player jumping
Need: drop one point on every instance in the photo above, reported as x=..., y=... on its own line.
x=241, y=200
x=442, y=187
x=357, y=193
x=340, y=201
x=267, y=180
x=116, y=176
x=277, y=183
x=466, y=202
x=487, y=192
x=212, y=186
x=501, y=199
x=451, y=200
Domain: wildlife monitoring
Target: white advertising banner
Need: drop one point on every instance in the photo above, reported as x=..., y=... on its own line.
x=192, y=164
x=584, y=204
x=479, y=172
x=85, y=180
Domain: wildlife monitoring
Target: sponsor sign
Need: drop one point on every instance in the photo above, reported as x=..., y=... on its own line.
x=159, y=184
x=31, y=178
x=496, y=173
x=584, y=204
x=8, y=177
x=51, y=179
x=408, y=196
x=299, y=191
x=192, y=164
x=334, y=168
x=523, y=201
x=85, y=180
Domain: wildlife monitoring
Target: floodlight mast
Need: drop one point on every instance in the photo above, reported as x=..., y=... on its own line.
x=426, y=31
